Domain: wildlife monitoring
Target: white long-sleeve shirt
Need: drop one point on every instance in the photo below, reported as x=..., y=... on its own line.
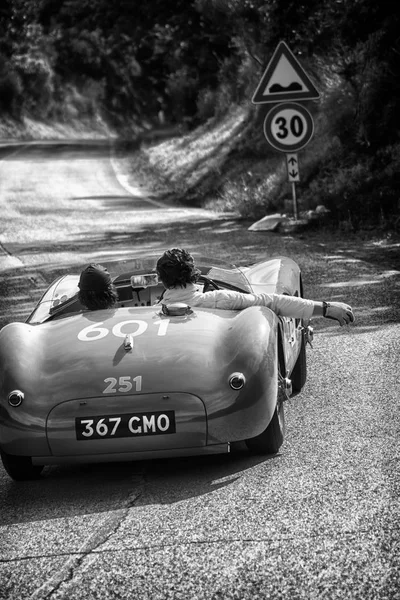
x=285, y=306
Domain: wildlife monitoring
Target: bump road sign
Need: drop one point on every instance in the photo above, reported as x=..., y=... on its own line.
x=284, y=79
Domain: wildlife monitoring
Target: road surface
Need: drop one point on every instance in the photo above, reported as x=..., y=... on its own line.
x=320, y=520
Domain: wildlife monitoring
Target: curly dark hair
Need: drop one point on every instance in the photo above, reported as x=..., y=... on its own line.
x=176, y=268
x=98, y=300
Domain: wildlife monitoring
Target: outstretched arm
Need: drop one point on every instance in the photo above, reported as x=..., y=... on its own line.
x=282, y=304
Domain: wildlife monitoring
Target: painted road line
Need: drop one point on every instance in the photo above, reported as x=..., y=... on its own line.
x=123, y=180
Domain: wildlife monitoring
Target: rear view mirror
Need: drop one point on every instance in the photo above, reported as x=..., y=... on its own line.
x=145, y=280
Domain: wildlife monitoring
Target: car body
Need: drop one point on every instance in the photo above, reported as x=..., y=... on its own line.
x=135, y=382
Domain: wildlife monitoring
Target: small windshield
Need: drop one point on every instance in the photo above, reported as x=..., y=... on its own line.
x=59, y=292
x=61, y=297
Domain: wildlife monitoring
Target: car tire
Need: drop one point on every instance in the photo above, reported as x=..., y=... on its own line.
x=271, y=439
x=20, y=468
x=299, y=373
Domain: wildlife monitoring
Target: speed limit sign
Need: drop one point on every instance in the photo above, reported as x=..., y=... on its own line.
x=288, y=127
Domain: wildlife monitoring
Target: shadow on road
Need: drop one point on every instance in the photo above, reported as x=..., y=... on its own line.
x=84, y=149
x=65, y=491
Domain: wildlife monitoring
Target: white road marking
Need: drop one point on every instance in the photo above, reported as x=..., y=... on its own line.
x=123, y=181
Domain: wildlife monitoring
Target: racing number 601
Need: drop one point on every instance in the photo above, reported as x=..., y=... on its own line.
x=135, y=327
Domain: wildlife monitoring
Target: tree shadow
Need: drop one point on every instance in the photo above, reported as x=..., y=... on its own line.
x=22, y=286
x=381, y=249
x=60, y=150
x=224, y=236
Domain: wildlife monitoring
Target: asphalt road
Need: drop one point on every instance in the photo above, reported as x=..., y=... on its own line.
x=320, y=520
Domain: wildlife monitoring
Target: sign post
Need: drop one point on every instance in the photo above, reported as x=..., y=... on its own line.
x=288, y=126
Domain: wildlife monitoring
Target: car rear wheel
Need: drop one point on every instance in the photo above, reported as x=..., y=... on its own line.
x=271, y=439
x=20, y=468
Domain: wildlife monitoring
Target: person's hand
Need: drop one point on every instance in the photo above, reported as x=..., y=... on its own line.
x=339, y=312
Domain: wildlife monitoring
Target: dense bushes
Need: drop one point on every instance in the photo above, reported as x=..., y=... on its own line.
x=186, y=61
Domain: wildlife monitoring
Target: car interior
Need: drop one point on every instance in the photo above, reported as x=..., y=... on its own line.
x=139, y=290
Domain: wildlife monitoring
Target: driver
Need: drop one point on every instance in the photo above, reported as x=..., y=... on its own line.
x=96, y=290
x=179, y=276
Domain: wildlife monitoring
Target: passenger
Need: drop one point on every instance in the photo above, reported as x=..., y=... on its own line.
x=96, y=290
x=179, y=276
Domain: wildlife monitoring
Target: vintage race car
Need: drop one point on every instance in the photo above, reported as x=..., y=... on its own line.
x=139, y=381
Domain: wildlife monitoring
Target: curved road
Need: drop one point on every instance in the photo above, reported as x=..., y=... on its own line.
x=318, y=521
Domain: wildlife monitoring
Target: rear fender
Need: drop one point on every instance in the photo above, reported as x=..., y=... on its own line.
x=253, y=344
x=22, y=428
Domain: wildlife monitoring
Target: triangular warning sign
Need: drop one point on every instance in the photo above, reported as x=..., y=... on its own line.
x=284, y=79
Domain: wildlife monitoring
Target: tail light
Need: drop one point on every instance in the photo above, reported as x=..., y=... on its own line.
x=15, y=398
x=237, y=381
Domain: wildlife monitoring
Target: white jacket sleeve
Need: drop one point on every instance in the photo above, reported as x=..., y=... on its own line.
x=285, y=306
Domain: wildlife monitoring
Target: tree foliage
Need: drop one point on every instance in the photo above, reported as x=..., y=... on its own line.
x=189, y=60
x=169, y=55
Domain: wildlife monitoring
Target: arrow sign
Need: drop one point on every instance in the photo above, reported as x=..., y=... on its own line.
x=284, y=79
x=292, y=165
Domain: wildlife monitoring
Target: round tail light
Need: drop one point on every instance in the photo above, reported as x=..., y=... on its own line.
x=237, y=381
x=15, y=398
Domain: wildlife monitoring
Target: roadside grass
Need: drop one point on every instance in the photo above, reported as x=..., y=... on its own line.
x=191, y=165
x=214, y=166
x=226, y=164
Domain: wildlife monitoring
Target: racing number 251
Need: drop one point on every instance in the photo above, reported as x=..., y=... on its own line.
x=123, y=384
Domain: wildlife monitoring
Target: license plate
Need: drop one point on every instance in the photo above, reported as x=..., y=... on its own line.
x=126, y=425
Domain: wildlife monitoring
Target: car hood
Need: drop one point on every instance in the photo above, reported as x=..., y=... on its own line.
x=133, y=350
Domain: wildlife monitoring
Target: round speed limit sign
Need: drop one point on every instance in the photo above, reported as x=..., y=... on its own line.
x=288, y=127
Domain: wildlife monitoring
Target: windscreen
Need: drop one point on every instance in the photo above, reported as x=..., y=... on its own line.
x=59, y=292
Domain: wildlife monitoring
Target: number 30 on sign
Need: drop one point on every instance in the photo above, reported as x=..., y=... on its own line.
x=288, y=127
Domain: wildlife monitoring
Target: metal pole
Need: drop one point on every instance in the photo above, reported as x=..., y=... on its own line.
x=294, y=200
